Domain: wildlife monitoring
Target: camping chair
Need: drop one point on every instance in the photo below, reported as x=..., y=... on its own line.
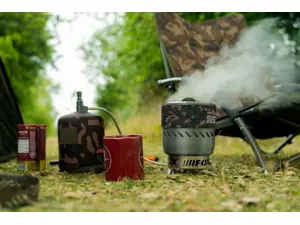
x=187, y=47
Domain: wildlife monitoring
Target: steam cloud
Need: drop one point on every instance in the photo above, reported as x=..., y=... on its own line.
x=241, y=70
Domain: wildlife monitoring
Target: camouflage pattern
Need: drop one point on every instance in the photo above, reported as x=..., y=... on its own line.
x=188, y=115
x=80, y=137
x=189, y=46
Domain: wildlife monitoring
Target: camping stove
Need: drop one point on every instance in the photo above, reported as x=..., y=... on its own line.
x=188, y=134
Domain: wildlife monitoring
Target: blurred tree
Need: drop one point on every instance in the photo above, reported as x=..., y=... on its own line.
x=26, y=51
x=127, y=53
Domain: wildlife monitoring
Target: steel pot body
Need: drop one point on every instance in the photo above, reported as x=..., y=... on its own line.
x=188, y=133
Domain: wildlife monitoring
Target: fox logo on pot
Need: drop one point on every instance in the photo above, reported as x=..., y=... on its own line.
x=196, y=162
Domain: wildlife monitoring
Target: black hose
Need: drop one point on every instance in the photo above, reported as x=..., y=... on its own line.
x=110, y=114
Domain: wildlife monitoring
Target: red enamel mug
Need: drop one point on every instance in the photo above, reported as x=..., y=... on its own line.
x=124, y=157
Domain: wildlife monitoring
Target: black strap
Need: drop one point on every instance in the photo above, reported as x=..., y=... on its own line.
x=38, y=156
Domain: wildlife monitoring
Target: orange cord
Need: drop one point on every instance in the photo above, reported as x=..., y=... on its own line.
x=152, y=158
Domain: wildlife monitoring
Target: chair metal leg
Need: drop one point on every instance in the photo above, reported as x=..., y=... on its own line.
x=289, y=160
x=256, y=149
x=287, y=141
x=233, y=114
x=252, y=142
x=293, y=158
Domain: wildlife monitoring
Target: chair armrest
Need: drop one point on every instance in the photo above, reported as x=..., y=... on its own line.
x=168, y=81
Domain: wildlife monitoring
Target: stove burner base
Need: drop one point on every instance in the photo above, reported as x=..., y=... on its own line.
x=187, y=164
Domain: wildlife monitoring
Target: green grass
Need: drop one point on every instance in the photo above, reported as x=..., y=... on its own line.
x=235, y=182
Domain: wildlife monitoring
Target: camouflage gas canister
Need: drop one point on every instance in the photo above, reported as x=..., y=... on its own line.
x=188, y=134
x=31, y=147
x=80, y=139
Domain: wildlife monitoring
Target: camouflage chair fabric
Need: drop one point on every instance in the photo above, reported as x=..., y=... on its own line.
x=188, y=46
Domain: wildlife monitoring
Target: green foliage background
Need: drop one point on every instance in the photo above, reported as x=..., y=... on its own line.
x=127, y=53
x=26, y=51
